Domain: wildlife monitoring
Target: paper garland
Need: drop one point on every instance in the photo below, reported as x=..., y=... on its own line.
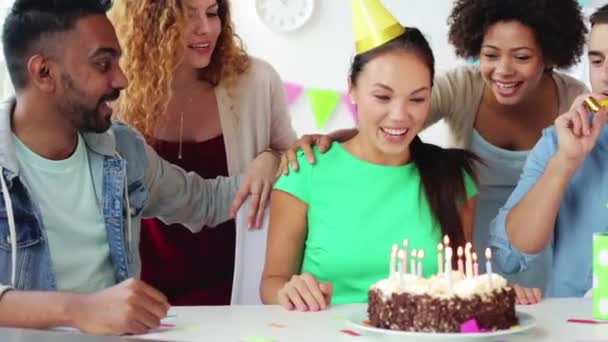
x=323, y=102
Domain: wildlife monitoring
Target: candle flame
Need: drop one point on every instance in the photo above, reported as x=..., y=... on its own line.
x=420, y=254
x=446, y=240
x=405, y=243
x=468, y=246
x=474, y=257
x=440, y=247
x=488, y=253
x=401, y=254
x=459, y=251
x=413, y=253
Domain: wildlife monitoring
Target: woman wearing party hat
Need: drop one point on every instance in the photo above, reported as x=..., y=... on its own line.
x=323, y=216
x=498, y=108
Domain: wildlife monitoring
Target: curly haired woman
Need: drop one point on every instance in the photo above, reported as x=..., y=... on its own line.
x=498, y=109
x=205, y=105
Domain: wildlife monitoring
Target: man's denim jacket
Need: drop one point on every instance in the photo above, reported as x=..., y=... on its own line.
x=155, y=188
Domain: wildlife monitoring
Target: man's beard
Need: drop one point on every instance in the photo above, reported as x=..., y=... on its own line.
x=84, y=118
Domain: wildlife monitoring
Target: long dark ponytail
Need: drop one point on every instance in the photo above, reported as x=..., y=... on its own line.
x=442, y=171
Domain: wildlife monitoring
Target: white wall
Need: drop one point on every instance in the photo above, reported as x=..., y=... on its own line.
x=319, y=54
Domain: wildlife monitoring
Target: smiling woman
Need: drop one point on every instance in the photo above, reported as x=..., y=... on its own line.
x=207, y=106
x=378, y=188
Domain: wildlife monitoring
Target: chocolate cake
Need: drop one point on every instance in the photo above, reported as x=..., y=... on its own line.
x=410, y=303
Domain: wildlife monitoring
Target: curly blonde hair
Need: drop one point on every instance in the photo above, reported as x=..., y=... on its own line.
x=149, y=32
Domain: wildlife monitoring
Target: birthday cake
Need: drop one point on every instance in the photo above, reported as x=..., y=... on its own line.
x=465, y=302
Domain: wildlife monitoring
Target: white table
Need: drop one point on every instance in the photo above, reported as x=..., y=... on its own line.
x=272, y=323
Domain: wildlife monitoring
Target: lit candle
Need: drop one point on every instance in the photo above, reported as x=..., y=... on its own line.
x=439, y=258
x=460, y=264
x=400, y=256
x=448, y=268
x=405, y=245
x=475, y=265
x=413, y=263
x=489, y=266
x=420, y=257
x=468, y=263
x=446, y=240
x=392, y=264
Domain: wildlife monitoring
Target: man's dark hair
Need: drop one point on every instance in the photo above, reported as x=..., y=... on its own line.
x=31, y=24
x=600, y=16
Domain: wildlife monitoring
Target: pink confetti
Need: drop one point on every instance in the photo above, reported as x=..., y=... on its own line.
x=167, y=325
x=470, y=327
x=586, y=321
x=350, y=332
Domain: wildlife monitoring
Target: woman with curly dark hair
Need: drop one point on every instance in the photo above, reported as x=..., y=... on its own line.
x=207, y=106
x=498, y=108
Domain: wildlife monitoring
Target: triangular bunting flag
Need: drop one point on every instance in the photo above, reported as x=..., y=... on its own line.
x=323, y=104
x=351, y=107
x=293, y=91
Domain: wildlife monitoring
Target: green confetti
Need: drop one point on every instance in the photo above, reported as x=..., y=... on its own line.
x=256, y=339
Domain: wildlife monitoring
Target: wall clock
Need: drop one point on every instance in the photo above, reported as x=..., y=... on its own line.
x=284, y=15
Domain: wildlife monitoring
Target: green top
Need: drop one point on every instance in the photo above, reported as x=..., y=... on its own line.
x=356, y=211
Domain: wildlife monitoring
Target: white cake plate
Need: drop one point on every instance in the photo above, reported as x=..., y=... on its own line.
x=526, y=322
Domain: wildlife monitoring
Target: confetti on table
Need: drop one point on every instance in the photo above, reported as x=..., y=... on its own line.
x=256, y=339
x=278, y=325
x=186, y=327
x=350, y=332
x=586, y=321
x=167, y=325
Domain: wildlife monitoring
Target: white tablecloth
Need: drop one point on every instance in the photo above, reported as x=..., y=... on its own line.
x=272, y=323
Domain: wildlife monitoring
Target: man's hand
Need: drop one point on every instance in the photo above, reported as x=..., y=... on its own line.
x=257, y=183
x=131, y=307
x=576, y=134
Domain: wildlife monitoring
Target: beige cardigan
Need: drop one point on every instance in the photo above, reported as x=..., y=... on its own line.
x=457, y=94
x=254, y=116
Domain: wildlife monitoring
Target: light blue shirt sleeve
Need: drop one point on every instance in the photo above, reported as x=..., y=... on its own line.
x=507, y=258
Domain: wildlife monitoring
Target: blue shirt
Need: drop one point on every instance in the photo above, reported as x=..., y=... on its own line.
x=498, y=176
x=583, y=211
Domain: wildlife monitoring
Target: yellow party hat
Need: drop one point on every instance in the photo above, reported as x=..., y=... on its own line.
x=374, y=25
